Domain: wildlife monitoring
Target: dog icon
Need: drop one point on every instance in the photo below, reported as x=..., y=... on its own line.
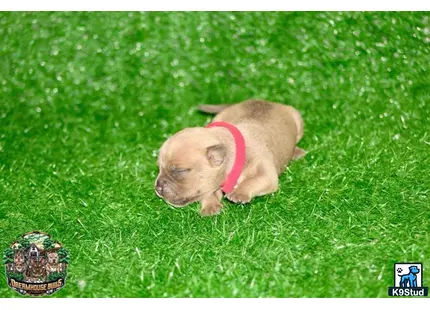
x=410, y=278
x=33, y=252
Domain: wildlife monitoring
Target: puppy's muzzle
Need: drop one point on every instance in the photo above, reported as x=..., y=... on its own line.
x=160, y=186
x=165, y=191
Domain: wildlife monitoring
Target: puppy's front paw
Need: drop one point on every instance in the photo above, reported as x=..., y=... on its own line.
x=211, y=209
x=239, y=196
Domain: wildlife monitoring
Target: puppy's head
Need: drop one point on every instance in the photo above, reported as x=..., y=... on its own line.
x=19, y=257
x=52, y=257
x=191, y=164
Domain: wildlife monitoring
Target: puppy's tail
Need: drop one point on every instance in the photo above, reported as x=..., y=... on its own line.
x=212, y=108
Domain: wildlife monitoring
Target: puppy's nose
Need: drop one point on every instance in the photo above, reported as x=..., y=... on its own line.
x=159, y=186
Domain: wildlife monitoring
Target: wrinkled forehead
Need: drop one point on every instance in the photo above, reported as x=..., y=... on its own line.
x=186, y=146
x=178, y=152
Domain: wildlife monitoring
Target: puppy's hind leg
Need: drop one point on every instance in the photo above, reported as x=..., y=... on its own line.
x=265, y=181
x=298, y=153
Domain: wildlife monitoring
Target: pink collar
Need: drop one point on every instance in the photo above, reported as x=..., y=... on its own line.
x=239, y=161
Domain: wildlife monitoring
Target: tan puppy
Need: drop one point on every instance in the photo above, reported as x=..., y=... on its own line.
x=194, y=162
x=52, y=264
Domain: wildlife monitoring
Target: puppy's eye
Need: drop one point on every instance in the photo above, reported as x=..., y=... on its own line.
x=180, y=171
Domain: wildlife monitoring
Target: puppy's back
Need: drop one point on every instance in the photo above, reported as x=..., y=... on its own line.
x=263, y=112
x=254, y=109
x=278, y=126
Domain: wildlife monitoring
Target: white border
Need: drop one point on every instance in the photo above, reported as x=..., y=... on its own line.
x=217, y=5
x=224, y=5
x=217, y=303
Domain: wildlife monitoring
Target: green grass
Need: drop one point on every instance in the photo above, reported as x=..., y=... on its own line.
x=87, y=99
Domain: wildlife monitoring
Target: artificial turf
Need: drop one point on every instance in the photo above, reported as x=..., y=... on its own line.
x=87, y=99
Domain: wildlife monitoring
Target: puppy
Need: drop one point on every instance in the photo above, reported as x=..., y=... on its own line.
x=52, y=264
x=36, y=270
x=19, y=261
x=195, y=164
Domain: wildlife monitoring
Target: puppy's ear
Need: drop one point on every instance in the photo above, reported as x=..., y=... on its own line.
x=216, y=154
